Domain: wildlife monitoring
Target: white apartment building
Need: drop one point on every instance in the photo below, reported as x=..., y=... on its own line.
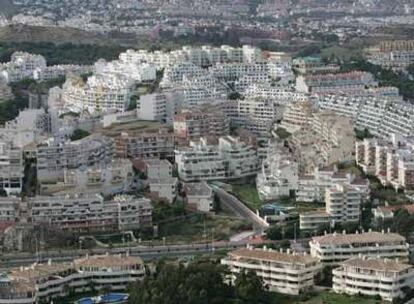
x=349, y=83
x=373, y=277
x=381, y=115
x=163, y=189
x=11, y=166
x=98, y=94
x=107, y=178
x=327, y=139
x=282, y=272
x=391, y=161
x=157, y=168
x=90, y=212
x=231, y=158
x=157, y=106
x=53, y=157
x=44, y=282
x=199, y=196
x=279, y=174
x=342, y=205
x=21, y=66
x=297, y=115
x=335, y=248
x=256, y=115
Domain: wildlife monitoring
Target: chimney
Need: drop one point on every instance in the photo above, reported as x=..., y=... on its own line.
x=288, y=251
x=343, y=231
x=382, y=231
x=370, y=230
x=281, y=250
x=49, y=262
x=264, y=247
x=388, y=230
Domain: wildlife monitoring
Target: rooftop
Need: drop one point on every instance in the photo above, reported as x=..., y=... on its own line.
x=197, y=189
x=107, y=261
x=378, y=264
x=272, y=256
x=361, y=238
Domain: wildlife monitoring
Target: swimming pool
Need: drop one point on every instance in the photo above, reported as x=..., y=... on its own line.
x=110, y=298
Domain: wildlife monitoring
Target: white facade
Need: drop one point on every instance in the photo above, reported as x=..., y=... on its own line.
x=231, y=158
x=90, y=212
x=54, y=157
x=335, y=248
x=43, y=282
x=282, y=272
x=278, y=175
x=164, y=189
x=199, y=196
x=373, y=277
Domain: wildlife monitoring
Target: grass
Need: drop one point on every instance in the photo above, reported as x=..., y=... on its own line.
x=324, y=297
x=193, y=229
x=248, y=195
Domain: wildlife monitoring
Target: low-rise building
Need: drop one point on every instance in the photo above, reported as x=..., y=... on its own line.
x=199, y=196
x=283, y=272
x=335, y=248
x=373, y=277
x=44, y=282
x=163, y=189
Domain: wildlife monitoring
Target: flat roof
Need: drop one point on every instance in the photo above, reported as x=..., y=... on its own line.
x=367, y=237
x=272, y=256
x=108, y=261
x=377, y=264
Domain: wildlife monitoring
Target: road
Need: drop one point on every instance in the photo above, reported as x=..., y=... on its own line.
x=146, y=253
x=234, y=204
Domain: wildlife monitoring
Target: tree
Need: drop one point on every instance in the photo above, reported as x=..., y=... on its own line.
x=216, y=203
x=199, y=282
x=274, y=233
x=249, y=287
x=79, y=134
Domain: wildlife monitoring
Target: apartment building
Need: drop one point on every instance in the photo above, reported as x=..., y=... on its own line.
x=98, y=94
x=11, y=166
x=396, y=55
x=163, y=189
x=381, y=115
x=297, y=115
x=279, y=174
x=54, y=157
x=45, y=282
x=325, y=139
x=256, y=115
x=373, y=277
x=391, y=161
x=203, y=121
x=349, y=83
x=199, y=196
x=90, y=212
x=157, y=106
x=146, y=144
x=332, y=249
x=9, y=210
x=231, y=158
x=282, y=272
x=342, y=205
x=21, y=66
x=313, y=65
